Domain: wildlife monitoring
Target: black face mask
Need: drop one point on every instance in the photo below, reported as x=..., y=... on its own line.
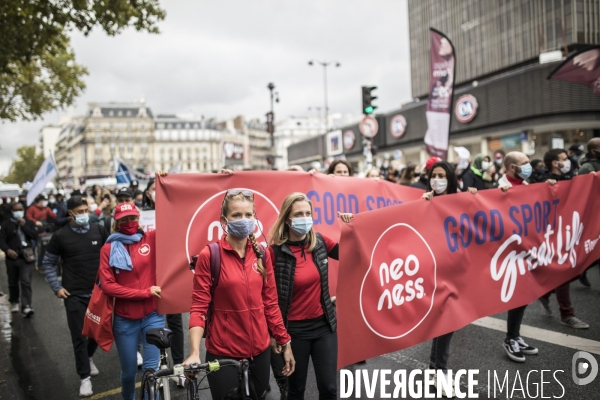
x=138, y=203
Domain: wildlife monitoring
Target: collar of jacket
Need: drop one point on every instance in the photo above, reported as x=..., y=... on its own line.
x=225, y=245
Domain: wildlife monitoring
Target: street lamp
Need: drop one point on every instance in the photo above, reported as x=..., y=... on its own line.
x=271, y=123
x=325, y=64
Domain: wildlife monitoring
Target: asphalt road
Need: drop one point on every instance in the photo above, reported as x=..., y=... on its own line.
x=36, y=356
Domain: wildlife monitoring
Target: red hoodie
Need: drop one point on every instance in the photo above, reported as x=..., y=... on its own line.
x=131, y=289
x=35, y=213
x=245, y=307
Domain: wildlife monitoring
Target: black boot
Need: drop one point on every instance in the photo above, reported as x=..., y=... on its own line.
x=584, y=280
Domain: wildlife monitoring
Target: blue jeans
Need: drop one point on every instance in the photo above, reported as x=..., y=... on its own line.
x=127, y=332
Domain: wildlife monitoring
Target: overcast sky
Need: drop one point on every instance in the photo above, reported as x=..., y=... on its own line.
x=215, y=58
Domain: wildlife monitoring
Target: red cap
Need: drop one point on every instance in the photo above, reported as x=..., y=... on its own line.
x=431, y=161
x=125, y=210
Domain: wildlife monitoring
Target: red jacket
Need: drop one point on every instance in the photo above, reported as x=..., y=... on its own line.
x=245, y=307
x=131, y=289
x=35, y=213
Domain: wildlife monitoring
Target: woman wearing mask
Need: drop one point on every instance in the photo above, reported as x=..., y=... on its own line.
x=340, y=168
x=149, y=199
x=92, y=210
x=300, y=258
x=473, y=177
x=442, y=181
x=244, y=303
x=128, y=273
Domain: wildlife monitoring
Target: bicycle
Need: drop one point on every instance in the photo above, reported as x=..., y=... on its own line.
x=157, y=382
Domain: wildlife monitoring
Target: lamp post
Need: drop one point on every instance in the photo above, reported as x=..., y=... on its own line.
x=325, y=64
x=271, y=123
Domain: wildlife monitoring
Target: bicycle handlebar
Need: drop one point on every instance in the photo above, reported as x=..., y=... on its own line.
x=209, y=366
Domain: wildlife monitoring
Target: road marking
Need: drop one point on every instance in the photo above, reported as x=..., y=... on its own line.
x=111, y=392
x=561, y=339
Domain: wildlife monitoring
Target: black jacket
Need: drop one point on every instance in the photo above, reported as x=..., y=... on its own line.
x=9, y=238
x=285, y=268
x=421, y=183
x=471, y=180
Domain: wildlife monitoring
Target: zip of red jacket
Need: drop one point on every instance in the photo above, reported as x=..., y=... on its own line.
x=131, y=289
x=244, y=307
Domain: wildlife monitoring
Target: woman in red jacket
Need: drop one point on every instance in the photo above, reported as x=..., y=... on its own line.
x=244, y=303
x=128, y=273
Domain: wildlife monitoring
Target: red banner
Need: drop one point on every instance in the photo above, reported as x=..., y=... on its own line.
x=422, y=269
x=439, y=102
x=582, y=67
x=189, y=207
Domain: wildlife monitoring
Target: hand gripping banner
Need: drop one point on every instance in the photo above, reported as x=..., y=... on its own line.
x=416, y=271
x=189, y=206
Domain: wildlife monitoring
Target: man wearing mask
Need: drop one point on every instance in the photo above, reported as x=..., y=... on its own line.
x=575, y=153
x=78, y=244
x=39, y=212
x=559, y=165
x=123, y=195
x=16, y=235
x=518, y=170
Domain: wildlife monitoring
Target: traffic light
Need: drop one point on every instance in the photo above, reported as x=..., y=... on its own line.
x=367, y=99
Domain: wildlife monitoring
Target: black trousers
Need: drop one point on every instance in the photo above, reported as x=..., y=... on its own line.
x=83, y=347
x=19, y=274
x=175, y=324
x=513, y=322
x=440, y=351
x=322, y=348
x=226, y=379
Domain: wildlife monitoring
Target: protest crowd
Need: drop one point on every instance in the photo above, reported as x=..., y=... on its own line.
x=280, y=318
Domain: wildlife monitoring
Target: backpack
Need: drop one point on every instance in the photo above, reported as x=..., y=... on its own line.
x=215, y=273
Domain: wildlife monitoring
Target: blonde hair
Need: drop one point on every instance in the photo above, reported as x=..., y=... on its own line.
x=280, y=232
x=259, y=254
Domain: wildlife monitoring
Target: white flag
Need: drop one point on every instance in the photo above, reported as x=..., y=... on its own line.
x=44, y=175
x=176, y=169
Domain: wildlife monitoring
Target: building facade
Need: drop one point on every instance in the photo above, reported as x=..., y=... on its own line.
x=86, y=146
x=513, y=106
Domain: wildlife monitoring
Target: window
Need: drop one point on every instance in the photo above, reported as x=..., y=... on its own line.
x=98, y=137
x=110, y=113
x=158, y=126
x=143, y=135
x=119, y=113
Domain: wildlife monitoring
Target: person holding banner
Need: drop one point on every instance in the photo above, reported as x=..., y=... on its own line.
x=299, y=256
x=442, y=181
x=128, y=273
x=243, y=304
x=473, y=177
x=340, y=168
x=518, y=170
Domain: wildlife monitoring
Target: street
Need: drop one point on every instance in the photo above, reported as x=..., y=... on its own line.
x=37, y=361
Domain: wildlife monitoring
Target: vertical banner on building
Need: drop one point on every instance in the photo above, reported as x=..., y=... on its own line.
x=582, y=67
x=439, y=103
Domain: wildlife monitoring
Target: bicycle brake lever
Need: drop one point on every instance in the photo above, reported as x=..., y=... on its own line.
x=245, y=366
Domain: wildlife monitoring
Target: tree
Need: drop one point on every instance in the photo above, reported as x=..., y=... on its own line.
x=25, y=167
x=38, y=72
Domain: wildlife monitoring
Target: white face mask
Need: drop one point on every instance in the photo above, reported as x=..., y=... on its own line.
x=93, y=207
x=153, y=195
x=566, y=166
x=439, y=185
x=485, y=165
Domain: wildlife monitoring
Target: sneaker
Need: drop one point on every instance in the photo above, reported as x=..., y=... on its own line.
x=140, y=360
x=525, y=348
x=93, y=369
x=545, y=303
x=584, y=280
x=513, y=350
x=14, y=307
x=574, y=323
x=85, y=390
x=27, y=312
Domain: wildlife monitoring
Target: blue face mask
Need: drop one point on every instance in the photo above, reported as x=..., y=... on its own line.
x=18, y=214
x=525, y=171
x=82, y=219
x=302, y=225
x=241, y=228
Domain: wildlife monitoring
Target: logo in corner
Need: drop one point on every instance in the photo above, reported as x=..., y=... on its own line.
x=144, y=250
x=397, y=291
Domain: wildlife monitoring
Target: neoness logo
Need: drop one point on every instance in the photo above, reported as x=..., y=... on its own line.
x=398, y=289
x=92, y=317
x=144, y=250
x=126, y=207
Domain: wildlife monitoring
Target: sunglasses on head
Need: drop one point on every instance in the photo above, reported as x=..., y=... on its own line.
x=245, y=193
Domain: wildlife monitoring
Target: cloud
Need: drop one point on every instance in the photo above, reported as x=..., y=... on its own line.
x=215, y=58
